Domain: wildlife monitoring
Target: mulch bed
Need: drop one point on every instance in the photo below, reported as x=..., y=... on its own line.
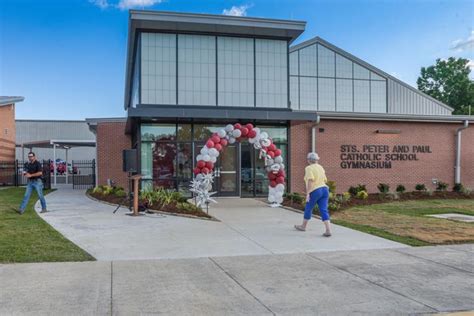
x=171, y=208
x=377, y=198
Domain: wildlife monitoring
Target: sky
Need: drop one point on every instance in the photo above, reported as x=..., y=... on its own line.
x=67, y=57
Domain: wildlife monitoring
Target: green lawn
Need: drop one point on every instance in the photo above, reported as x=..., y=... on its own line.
x=27, y=238
x=406, y=222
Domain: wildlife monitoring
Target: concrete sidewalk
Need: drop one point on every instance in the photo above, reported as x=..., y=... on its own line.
x=375, y=282
x=247, y=227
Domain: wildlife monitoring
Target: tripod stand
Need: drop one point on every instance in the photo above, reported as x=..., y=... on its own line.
x=129, y=196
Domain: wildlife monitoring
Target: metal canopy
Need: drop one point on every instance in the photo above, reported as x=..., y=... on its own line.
x=60, y=143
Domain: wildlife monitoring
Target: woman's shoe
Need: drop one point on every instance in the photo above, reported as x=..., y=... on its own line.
x=300, y=228
x=326, y=234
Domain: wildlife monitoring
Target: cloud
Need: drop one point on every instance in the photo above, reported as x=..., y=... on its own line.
x=461, y=45
x=237, y=11
x=470, y=64
x=103, y=4
x=127, y=4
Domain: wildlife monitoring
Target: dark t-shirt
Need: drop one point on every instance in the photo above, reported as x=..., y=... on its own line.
x=33, y=168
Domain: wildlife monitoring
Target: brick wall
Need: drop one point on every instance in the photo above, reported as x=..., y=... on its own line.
x=439, y=164
x=7, y=132
x=111, y=141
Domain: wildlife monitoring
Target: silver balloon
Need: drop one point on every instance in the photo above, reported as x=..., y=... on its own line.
x=199, y=157
x=229, y=128
x=213, y=152
x=236, y=133
x=206, y=158
x=204, y=150
x=213, y=159
x=221, y=133
x=279, y=159
x=231, y=140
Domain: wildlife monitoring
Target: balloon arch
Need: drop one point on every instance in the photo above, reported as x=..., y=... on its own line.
x=204, y=170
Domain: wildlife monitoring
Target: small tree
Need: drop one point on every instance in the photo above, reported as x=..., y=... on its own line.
x=383, y=188
x=401, y=188
x=420, y=187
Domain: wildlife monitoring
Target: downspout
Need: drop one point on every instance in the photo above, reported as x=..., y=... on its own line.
x=313, y=133
x=457, y=167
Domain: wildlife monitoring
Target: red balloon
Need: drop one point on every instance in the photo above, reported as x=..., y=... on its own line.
x=237, y=126
x=271, y=153
x=272, y=176
x=249, y=126
x=224, y=142
x=281, y=173
x=273, y=184
x=216, y=139
x=272, y=147
x=201, y=164
x=277, y=152
x=252, y=133
x=210, y=144
x=205, y=170
x=218, y=147
x=197, y=171
x=244, y=131
x=210, y=165
x=280, y=180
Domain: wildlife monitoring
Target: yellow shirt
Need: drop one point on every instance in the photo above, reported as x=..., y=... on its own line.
x=316, y=173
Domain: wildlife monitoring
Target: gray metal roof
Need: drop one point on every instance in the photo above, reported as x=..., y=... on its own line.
x=395, y=117
x=39, y=130
x=359, y=61
x=203, y=23
x=60, y=143
x=6, y=100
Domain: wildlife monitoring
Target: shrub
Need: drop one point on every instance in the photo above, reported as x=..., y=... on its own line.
x=420, y=187
x=458, y=187
x=178, y=197
x=467, y=192
x=158, y=196
x=333, y=206
x=297, y=198
x=383, y=187
x=355, y=190
x=120, y=193
x=362, y=195
x=400, y=188
x=332, y=186
x=442, y=186
x=107, y=190
x=98, y=190
x=346, y=197
x=429, y=192
x=188, y=207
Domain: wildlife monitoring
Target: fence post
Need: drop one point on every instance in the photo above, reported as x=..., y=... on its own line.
x=93, y=173
x=15, y=176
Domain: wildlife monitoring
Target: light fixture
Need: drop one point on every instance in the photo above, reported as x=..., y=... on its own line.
x=388, y=131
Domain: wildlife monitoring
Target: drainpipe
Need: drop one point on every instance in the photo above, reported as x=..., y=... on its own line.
x=313, y=133
x=457, y=167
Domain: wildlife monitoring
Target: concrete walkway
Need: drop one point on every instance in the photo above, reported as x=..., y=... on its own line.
x=247, y=227
x=367, y=282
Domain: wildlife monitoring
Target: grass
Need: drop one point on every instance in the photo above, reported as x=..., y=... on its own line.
x=27, y=238
x=406, y=222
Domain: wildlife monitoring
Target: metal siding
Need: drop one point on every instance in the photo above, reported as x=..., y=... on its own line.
x=27, y=131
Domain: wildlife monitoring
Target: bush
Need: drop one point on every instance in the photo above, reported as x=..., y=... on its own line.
x=355, y=190
x=383, y=187
x=346, y=197
x=332, y=186
x=466, y=192
x=458, y=187
x=98, y=190
x=442, y=186
x=120, y=193
x=296, y=198
x=333, y=206
x=188, y=207
x=400, y=188
x=178, y=197
x=107, y=190
x=158, y=196
x=420, y=187
x=362, y=195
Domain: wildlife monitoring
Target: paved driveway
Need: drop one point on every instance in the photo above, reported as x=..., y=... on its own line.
x=247, y=227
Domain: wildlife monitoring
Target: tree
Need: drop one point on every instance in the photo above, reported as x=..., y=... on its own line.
x=448, y=81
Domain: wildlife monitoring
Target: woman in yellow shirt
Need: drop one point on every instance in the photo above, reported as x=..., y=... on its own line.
x=317, y=192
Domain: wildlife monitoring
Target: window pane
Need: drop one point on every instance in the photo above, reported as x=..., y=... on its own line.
x=294, y=63
x=360, y=72
x=277, y=134
x=374, y=76
x=162, y=132
x=343, y=67
x=203, y=131
x=164, y=161
x=158, y=68
x=197, y=70
x=294, y=100
x=185, y=161
x=344, y=95
x=361, y=96
x=308, y=93
x=272, y=73
x=146, y=160
x=327, y=96
x=308, y=61
x=378, y=101
x=235, y=71
x=184, y=132
x=326, y=62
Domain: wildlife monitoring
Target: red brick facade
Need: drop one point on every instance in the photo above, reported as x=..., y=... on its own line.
x=111, y=141
x=439, y=164
x=7, y=132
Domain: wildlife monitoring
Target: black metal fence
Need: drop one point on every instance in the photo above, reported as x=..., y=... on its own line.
x=11, y=173
x=83, y=175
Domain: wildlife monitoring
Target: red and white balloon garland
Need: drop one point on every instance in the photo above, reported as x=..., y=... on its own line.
x=204, y=170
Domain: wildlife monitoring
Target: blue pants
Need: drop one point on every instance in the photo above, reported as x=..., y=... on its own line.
x=321, y=197
x=38, y=186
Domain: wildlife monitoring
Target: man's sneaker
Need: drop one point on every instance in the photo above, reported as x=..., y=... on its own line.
x=44, y=211
x=20, y=211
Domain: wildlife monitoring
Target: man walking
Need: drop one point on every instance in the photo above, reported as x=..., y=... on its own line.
x=34, y=172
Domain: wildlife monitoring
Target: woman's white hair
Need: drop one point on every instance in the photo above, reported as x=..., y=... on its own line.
x=313, y=157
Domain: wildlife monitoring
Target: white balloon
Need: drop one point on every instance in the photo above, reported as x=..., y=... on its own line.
x=236, y=133
x=269, y=168
x=264, y=135
x=213, y=152
x=204, y=150
x=213, y=159
x=229, y=128
x=279, y=159
x=257, y=130
x=199, y=157
x=276, y=167
x=279, y=199
x=256, y=145
x=221, y=133
x=251, y=140
x=265, y=142
x=269, y=162
x=280, y=188
x=282, y=166
x=271, y=198
x=199, y=176
x=231, y=140
x=206, y=158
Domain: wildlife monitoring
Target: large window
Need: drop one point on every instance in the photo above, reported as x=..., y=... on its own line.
x=308, y=61
x=235, y=71
x=344, y=95
x=271, y=73
x=326, y=94
x=196, y=70
x=294, y=93
x=326, y=65
x=361, y=96
x=378, y=97
x=308, y=93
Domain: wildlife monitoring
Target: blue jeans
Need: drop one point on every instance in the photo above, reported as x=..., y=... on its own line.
x=38, y=186
x=321, y=197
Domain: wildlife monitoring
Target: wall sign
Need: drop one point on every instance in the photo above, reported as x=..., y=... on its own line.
x=379, y=156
